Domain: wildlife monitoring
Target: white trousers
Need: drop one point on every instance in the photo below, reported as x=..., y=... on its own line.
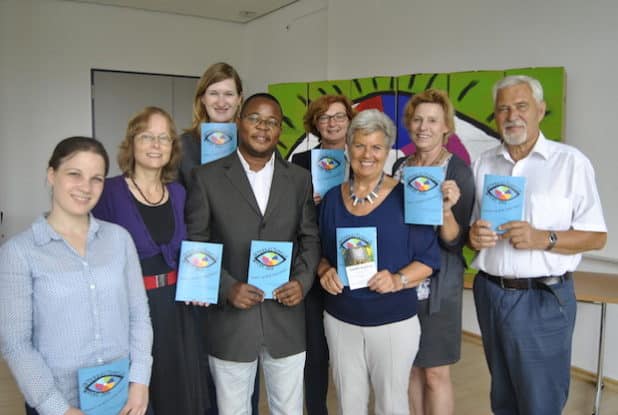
x=380, y=357
x=284, y=384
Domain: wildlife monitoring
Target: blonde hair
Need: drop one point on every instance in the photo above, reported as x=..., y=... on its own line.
x=431, y=96
x=216, y=72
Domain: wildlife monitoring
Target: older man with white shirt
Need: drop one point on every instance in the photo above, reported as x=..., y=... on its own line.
x=524, y=291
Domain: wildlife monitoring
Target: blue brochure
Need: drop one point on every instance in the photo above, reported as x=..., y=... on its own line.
x=423, y=194
x=199, y=272
x=218, y=140
x=503, y=199
x=357, y=256
x=327, y=169
x=269, y=265
x=104, y=389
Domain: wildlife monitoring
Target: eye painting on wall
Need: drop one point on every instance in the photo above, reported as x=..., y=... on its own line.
x=470, y=93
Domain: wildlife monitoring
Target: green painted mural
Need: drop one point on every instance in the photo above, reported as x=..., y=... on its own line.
x=470, y=93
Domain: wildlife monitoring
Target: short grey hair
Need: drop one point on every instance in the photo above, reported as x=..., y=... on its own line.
x=512, y=80
x=370, y=121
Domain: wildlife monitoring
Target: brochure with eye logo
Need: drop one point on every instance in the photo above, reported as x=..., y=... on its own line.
x=199, y=272
x=217, y=140
x=104, y=389
x=270, y=263
x=423, y=194
x=503, y=199
x=327, y=169
x=357, y=256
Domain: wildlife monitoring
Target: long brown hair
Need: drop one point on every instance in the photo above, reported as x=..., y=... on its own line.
x=216, y=72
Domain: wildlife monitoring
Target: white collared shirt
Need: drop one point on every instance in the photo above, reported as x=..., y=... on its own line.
x=260, y=181
x=561, y=194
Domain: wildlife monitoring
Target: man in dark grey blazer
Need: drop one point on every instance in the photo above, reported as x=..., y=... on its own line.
x=254, y=194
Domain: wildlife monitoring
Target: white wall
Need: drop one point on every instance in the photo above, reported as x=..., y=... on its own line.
x=47, y=48
x=287, y=46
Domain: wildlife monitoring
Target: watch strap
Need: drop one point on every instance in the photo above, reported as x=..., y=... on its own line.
x=553, y=238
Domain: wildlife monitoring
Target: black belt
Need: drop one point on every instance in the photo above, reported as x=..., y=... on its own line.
x=538, y=283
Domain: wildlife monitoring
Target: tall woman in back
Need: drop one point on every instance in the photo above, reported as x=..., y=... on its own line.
x=71, y=294
x=150, y=205
x=217, y=99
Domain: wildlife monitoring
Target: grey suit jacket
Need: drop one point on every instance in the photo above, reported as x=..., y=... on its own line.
x=221, y=208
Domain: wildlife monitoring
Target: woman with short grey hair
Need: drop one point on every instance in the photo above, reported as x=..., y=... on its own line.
x=371, y=121
x=372, y=331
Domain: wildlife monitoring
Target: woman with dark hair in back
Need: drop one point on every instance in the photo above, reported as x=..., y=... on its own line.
x=328, y=118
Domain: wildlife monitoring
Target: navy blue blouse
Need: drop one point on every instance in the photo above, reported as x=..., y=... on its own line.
x=399, y=244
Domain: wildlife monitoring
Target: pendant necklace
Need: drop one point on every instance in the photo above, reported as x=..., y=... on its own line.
x=370, y=197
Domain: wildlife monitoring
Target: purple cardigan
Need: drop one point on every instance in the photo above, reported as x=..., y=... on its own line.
x=117, y=205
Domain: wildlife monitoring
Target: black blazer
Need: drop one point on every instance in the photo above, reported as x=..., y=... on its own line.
x=303, y=159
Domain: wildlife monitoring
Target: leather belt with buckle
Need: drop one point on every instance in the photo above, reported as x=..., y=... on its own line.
x=538, y=283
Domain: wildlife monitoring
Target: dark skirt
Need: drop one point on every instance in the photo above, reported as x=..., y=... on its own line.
x=176, y=384
x=440, y=343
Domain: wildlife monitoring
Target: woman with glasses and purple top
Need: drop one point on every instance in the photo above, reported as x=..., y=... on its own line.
x=147, y=201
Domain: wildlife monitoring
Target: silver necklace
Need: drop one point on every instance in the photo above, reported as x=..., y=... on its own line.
x=370, y=197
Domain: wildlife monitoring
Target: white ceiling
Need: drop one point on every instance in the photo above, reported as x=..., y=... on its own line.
x=238, y=11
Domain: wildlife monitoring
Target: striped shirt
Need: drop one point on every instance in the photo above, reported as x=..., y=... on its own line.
x=60, y=311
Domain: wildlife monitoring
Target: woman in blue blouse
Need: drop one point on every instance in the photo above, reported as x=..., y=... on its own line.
x=71, y=292
x=373, y=332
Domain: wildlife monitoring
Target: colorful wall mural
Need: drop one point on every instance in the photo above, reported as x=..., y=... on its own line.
x=470, y=93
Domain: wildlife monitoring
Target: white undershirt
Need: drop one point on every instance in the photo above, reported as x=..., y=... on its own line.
x=260, y=181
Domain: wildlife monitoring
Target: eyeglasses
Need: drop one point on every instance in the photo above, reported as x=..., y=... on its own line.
x=163, y=139
x=255, y=120
x=339, y=117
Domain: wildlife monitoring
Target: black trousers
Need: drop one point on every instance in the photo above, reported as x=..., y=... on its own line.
x=316, y=363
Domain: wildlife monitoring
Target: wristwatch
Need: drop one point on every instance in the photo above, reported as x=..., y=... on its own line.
x=553, y=238
x=404, y=280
